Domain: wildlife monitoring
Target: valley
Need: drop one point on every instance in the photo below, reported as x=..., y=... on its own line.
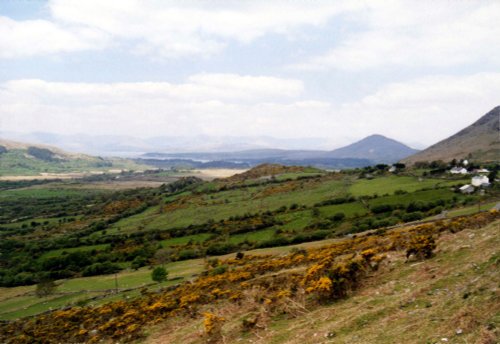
x=99, y=242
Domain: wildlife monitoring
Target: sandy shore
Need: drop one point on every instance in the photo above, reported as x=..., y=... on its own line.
x=46, y=176
x=212, y=173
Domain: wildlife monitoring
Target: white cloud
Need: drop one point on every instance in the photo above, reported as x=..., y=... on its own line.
x=373, y=33
x=426, y=109
x=422, y=110
x=40, y=37
x=415, y=34
x=205, y=103
x=168, y=29
x=199, y=87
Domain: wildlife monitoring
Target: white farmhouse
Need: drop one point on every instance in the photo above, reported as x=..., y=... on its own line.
x=458, y=170
x=467, y=189
x=482, y=170
x=480, y=180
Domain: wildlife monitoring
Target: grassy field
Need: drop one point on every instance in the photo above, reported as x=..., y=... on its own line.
x=256, y=236
x=59, y=252
x=41, y=193
x=223, y=204
x=185, y=240
x=424, y=196
x=471, y=209
x=228, y=203
x=20, y=301
x=390, y=184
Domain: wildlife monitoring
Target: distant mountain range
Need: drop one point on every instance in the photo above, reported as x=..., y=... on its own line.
x=480, y=142
x=238, y=152
x=368, y=151
x=120, y=145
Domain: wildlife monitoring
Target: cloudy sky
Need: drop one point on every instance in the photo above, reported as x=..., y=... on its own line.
x=416, y=71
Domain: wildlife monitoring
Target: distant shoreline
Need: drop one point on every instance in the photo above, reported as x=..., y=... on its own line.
x=209, y=173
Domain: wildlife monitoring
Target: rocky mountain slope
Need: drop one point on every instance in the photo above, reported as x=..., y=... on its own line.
x=480, y=141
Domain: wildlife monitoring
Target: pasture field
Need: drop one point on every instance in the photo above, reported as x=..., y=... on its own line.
x=21, y=301
x=62, y=251
x=42, y=193
x=390, y=184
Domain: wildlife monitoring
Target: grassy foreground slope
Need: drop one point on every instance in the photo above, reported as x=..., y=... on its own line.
x=353, y=290
x=452, y=297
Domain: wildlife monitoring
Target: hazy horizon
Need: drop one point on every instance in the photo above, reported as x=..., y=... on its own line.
x=99, y=144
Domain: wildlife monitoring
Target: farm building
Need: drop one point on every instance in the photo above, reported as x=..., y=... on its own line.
x=480, y=180
x=467, y=189
x=458, y=170
x=481, y=170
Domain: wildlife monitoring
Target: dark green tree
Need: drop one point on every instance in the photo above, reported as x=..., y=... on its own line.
x=159, y=274
x=45, y=288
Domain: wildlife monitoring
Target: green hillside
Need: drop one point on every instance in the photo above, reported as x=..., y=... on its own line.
x=20, y=159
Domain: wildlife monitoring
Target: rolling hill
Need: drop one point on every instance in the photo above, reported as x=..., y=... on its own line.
x=19, y=158
x=376, y=148
x=480, y=141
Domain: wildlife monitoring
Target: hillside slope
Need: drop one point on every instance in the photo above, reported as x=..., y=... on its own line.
x=361, y=289
x=480, y=141
x=19, y=158
x=450, y=298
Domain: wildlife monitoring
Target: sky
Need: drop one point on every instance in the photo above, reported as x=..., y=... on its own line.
x=415, y=71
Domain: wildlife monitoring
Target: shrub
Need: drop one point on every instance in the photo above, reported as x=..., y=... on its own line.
x=213, y=326
x=413, y=216
x=338, y=217
x=188, y=254
x=220, y=249
x=421, y=246
x=240, y=255
x=218, y=270
x=382, y=208
x=100, y=269
x=278, y=241
x=45, y=288
x=138, y=262
x=159, y=274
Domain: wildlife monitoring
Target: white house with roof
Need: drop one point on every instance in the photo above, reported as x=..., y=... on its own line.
x=480, y=181
x=467, y=189
x=458, y=170
x=481, y=170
